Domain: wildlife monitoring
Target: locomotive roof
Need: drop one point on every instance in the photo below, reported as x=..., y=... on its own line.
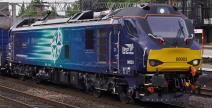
x=146, y=9
x=141, y=11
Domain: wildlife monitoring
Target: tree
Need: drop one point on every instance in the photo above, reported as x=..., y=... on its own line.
x=132, y=1
x=36, y=9
x=124, y=1
x=210, y=9
x=68, y=11
x=22, y=9
x=53, y=12
x=73, y=9
x=99, y=5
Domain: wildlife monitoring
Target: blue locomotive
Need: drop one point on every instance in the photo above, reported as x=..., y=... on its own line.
x=146, y=52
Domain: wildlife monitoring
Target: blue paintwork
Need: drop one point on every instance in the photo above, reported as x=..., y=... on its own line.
x=3, y=44
x=38, y=49
x=34, y=47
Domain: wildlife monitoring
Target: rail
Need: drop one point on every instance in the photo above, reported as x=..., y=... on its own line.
x=206, y=92
x=30, y=101
x=16, y=102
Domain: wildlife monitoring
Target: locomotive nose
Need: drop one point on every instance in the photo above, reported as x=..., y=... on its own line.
x=173, y=60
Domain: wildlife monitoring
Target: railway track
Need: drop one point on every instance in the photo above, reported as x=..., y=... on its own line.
x=63, y=94
x=14, y=102
x=206, y=92
x=30, y=101
x=108, y=101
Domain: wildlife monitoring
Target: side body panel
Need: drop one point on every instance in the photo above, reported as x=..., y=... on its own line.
x=61, y=48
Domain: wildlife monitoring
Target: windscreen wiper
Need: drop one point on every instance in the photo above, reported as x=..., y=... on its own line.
x=157, y=38
x=186, y=39
x=180, y=30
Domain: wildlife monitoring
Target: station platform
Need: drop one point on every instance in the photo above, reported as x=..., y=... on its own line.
x=209, y=46
x=207, y=58
x=207, y=51
x=207, y=66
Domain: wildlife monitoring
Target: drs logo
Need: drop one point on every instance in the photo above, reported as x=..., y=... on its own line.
x=181, y=59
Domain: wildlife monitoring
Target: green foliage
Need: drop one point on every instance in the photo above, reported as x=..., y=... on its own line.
x=33, y=9
x=132, y=1
x=53, y=12
x=123, y=0
x=22, y=10
x=71, y=10
x=36, y=8
x=210, y=11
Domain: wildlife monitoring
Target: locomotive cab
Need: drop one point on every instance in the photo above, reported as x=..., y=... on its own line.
x=170, y=56
x=177, y=51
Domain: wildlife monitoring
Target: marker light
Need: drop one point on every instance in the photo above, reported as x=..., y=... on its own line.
x=150, y=89
x=162, y=41
x=155, y=63
x=194, y=62
x=162, y=11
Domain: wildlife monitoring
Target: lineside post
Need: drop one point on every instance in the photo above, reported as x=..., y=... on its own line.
x=13, y=13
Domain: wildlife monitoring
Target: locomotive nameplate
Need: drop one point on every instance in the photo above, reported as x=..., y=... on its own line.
x=182, y=59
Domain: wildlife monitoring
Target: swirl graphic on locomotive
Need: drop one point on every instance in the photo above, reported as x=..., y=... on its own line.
x=56, y=44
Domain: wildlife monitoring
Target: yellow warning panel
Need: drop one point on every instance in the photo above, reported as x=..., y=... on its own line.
x=173, y=60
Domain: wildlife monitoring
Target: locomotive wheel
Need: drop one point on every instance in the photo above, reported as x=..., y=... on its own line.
x=97, y=93
x=22, y=77
x=124, y=98
x=198, y=91
x=36, y=80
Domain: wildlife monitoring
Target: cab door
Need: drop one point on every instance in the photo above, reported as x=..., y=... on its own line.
x=122, y=49
x=114, y=49
x=102, y=45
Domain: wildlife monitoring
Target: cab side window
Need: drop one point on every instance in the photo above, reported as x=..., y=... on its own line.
x=66, y=52
x=89, y=39
x=130, y=28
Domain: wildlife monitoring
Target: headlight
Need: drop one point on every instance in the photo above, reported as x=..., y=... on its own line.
x=155, y=62
x=194, y=62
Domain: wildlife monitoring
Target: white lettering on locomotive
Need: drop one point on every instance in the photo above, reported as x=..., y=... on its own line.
x=128, y=49
x=131, y=62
